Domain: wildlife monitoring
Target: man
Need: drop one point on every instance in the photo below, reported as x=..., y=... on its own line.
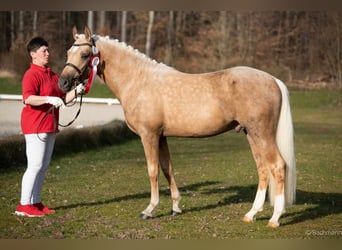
x=42, y=99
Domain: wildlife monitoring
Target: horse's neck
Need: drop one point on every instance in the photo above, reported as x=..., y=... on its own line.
x=123, y=67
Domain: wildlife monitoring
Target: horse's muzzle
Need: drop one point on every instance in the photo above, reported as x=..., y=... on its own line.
x=64, y=84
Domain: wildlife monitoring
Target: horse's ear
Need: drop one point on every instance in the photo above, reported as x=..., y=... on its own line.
x=74, y=32
x=87, y=32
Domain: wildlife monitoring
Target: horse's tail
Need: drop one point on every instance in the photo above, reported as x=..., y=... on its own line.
x=285, y=142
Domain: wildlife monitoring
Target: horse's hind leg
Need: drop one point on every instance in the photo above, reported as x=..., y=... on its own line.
x=166, y=166
x=268, y=160
x=278, y=173
x=263, y=174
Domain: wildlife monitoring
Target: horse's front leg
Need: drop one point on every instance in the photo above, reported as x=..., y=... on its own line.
x=166, y=166
x=151, y=148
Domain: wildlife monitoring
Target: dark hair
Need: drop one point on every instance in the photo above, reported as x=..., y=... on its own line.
x=35, y=44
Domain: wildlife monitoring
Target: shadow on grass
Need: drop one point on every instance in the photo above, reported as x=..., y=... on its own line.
x=321, y=204
x=144, y=195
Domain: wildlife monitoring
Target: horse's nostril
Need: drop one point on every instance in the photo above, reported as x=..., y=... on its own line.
x=63, y=84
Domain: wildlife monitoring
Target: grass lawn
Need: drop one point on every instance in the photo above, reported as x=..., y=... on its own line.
x=99, y=193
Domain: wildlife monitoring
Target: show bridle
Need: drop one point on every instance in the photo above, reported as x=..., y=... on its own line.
x=94, y=60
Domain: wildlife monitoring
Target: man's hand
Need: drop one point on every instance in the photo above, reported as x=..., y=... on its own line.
x=80, y=88
x=55, y=101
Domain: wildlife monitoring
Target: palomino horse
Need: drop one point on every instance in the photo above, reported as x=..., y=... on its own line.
x=159, y=101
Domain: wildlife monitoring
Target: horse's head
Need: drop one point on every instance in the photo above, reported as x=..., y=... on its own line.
x=79, y=57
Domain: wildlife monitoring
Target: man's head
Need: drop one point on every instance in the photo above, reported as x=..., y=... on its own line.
x=38, y=50
x=35, y=44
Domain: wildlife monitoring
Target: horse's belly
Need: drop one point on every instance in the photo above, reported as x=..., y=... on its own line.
x=197, y=125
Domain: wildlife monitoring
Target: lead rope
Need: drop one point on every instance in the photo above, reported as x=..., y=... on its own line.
x=52, y=111
x=94, y=61
x=77, y=114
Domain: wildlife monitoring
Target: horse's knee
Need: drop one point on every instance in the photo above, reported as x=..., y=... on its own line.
x=153, y=172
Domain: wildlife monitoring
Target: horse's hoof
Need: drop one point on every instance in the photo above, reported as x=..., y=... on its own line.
x=247, y=219
x=273, y=224
x=145, y=217
x=174, y=213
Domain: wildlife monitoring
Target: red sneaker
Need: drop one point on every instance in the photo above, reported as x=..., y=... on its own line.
x=28, y=210
x=43, y=208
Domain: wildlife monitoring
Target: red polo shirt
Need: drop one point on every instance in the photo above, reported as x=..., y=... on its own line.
x=40, y=81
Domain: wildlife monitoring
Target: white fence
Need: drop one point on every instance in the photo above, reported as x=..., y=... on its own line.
x=108, y=101
x=96, y=111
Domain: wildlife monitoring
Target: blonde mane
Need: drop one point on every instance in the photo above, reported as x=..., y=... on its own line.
x=126, y=47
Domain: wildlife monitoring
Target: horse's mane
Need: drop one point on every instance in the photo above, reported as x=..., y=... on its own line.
x=126, y=47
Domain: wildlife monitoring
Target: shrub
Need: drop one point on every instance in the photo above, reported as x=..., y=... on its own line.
x=12, y=148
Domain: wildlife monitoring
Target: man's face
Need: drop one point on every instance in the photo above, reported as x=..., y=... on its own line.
x=41, y=56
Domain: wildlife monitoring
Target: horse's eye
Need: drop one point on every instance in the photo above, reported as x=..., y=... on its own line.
x=85, y=55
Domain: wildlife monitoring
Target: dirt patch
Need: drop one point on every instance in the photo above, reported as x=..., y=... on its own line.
x=7, y=74
x=305, y=85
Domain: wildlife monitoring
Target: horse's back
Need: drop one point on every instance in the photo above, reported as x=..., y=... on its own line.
x=211, y=103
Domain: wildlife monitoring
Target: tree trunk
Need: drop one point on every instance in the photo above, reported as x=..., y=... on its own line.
x=20, y=36
x=223, y=42
x=35, y=18
x=91, y=20
x=239, y=31
x=149, y=33
x=101, y=21
x=12, y=31
x=170, y=39
x=123, y=26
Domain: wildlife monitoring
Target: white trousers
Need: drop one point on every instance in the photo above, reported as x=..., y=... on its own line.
x=39, y=148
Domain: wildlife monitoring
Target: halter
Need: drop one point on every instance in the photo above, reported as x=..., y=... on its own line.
x=94, y=60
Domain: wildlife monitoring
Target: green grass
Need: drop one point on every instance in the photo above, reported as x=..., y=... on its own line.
x=10, y=86
x=99, y=192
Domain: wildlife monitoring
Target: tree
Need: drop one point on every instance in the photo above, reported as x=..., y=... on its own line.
x=20, y=36
x=34, y=24
x=101, y=20
x=123, y=25
x=289, y=44
x=170, y=39
x=90, y=22
x=12, y=30
x=222, y=46
x=149, y=33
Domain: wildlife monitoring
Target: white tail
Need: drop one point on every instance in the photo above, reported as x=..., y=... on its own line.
x=285, y=142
